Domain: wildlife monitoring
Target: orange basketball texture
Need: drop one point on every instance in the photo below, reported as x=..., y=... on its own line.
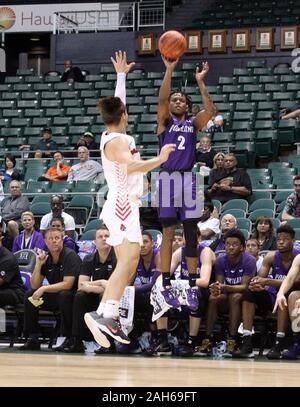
x=172, y=45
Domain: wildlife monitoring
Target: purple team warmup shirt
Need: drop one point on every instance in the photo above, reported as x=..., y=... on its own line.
x=233, y=273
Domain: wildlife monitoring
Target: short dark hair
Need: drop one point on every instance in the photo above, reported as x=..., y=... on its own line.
x=58, y=152
x=297, y=178
x=286, y=229
x=145, y=232
x=111, y=109
x=187, y=98
x=237, y=234
x=59, y=219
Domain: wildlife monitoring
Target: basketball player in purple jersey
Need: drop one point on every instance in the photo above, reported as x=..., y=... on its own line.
x=174, y=126
x=263, y=290
x=290, y=289
x=205, y=261
x=233, y=273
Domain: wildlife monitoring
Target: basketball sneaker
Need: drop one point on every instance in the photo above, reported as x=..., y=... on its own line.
x=292, y=353
x=205, y=349
x=275, y=352
x=170, y=297
x=160, y=349
x=246, y=350
x=192, y=298
x=92, y=320
x=231, y=346
x=112, y=327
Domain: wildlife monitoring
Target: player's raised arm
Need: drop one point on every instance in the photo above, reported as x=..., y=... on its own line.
x=163, y=111
x=122, y=68
x=209, y=111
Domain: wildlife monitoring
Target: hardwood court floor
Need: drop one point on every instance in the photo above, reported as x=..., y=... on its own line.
x=50, y=369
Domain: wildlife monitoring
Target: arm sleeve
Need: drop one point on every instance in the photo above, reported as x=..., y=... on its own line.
x=120, y=90
x=147, y=287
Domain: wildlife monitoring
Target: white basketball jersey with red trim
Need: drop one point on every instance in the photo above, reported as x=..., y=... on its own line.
x=123, y=189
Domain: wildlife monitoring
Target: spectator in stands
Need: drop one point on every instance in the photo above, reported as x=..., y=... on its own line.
x=228, y=222
x=60, y=267
x=11, y=285
x=12, y=208
x=86, y=169
x=71, y=73
x=233, y=184
x=233, y=273
x=218, y=168
x=263, y=290
x=214, y=125
x=57, y=206
x=95, y=270
x=88, y=140
x=178, y=240
x=29, y=238
x=45, y=145
x=59, y=172
x=9, y=172
x=292, y=112
x=59, y=224
x=263, y=232
x=209, y=226
x=252, y=247
x=205, y=154
x=292, y=205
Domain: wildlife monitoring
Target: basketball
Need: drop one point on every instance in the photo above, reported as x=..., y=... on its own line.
x=172, y=45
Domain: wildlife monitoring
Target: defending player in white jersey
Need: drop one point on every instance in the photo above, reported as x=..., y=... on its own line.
x=123, y=172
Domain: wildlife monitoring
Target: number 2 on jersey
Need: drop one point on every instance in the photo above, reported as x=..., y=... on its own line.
x=181, y=140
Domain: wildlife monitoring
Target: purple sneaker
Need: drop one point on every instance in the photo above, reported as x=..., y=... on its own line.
x=170, y=298
x=292, y=353
x=192, y=299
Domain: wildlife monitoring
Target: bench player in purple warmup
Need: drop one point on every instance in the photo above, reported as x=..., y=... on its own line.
x=174, y=126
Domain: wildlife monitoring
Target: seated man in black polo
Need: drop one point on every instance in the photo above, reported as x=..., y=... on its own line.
x=11, y=285
x=235, y=183
x=61, y=268
x=95, y=270
x=71, y=73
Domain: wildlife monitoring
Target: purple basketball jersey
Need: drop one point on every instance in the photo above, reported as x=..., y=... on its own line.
x=233, y=273
x=144, y=276
x=279, y=272
x=184, y=135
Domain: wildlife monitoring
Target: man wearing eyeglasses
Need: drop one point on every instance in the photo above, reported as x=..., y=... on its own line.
x=235, y=183
x=291, y=209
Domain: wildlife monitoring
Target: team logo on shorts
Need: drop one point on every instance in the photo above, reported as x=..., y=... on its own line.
x=123, y=227
x=2, y=273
